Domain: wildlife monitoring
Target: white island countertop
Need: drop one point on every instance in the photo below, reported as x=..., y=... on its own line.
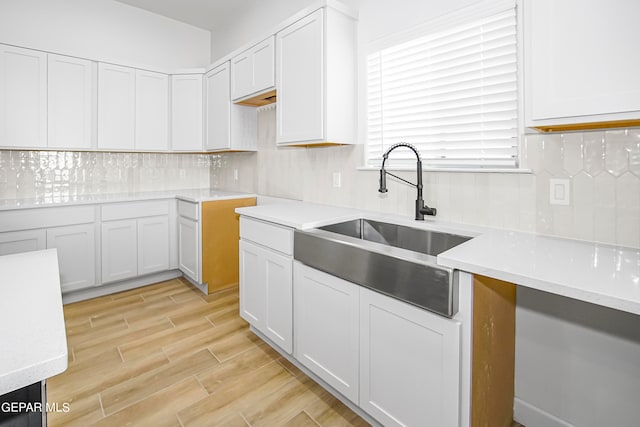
x=34, y=342
x=600, y=274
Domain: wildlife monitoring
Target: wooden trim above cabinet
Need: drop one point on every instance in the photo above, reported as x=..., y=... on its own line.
x=493, y=366
x=220, y=237
x=588, y=126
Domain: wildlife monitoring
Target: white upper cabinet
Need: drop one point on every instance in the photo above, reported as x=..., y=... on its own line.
x=253, y=70
x=580, y=65
x=23, y=98
x=186, y=112
x=229, y=127
x=71, y=85
x=116, y=107
x=316, y=80
x=152, y=111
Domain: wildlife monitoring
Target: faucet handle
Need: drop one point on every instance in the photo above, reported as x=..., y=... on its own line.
x=426, y=210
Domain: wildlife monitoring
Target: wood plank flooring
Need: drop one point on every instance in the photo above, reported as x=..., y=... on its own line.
x=167, y=355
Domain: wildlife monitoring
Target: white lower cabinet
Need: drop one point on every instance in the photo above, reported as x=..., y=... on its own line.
x=15, y=242
x=188, y=248
x=327, y=327
x=76, y=245
x=153, y=244
x=409, y=363
x=266, y=292
x=119, y=250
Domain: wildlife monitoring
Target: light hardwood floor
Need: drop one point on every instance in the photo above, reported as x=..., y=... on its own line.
x=167, y=355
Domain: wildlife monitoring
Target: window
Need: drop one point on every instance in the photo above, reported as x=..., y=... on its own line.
x=453, y=93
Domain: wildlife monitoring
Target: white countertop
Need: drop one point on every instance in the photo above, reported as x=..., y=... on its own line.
x=189, y=194
x=34, y=343
x=596, y=273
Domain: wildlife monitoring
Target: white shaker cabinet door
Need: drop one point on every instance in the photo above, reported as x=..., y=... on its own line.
x=23, y=98
x=119, y=250
x=326, y=328
x=71, y=85
x=153, y=244
x=15, y=242
x=116, y=107
x=76, y=247
x=409, y=363
x=300, y=80
x=186, y=112
x=189, y=248
x=218, y=106
x=253, y=70
x=266, y=293
x=152, y=111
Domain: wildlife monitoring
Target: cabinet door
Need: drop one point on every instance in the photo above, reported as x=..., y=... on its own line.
x=189, y=248
x=15, y=242
x=409, y=363
x=152, y=111
x=71, y=85
x=116, y=107
x=263, y=65
x=218, y=104
x=76, y=246
x=300, y=80
x=186, y=112
x=266, y=288
x=23, y=97
x=252, y=71
x=326, y=328
x=153, y=244
x=119, y=250
x=574, y=69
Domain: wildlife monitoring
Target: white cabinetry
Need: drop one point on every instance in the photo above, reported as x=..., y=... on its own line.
x=576, y=72
x=327, y=328
x=266, y=276
x=23, y=98
x=186, y=112
x=71, y=111
x=76, y=245
x=229, y=127
x=15, y=242
x=253, y=71
x=189, y=247
x=316, y=80
x=116, y=107
x=135, y=239
x=409, y=363
x=152, y=111
x=119, y=250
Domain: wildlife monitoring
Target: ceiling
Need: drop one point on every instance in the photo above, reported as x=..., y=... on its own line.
x=206, y=14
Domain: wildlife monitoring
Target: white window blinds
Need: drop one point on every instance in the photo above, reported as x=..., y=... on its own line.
x=453, y=94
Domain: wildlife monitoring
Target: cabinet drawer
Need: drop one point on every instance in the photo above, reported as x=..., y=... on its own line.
x=118, y=211
x=188, y=210
x=267, y=234
x=27, y=219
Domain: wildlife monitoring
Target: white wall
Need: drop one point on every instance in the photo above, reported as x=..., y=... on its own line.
x=104, y=30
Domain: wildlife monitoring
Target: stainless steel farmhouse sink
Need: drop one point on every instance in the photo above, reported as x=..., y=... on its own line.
x=396, y=260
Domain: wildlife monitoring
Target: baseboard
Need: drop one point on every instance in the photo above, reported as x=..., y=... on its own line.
x=532, y=416
x=125, y=285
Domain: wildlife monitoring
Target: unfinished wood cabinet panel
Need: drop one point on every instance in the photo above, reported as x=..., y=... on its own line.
x=220, y=236
x=493, y=366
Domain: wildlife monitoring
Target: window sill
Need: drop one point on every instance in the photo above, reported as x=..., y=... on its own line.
x=463, y=170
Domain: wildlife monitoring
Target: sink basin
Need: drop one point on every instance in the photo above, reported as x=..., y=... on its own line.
x=413, y=239
x=395, y=260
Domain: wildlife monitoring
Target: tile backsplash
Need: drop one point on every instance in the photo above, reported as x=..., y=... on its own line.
x=603, y=169
x=64, y=174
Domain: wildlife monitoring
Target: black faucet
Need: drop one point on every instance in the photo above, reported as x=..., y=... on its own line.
x=421, y=208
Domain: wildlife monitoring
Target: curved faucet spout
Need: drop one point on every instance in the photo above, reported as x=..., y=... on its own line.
x=421, y=209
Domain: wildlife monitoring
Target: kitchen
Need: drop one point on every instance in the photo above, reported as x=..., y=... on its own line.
x=575, y=351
